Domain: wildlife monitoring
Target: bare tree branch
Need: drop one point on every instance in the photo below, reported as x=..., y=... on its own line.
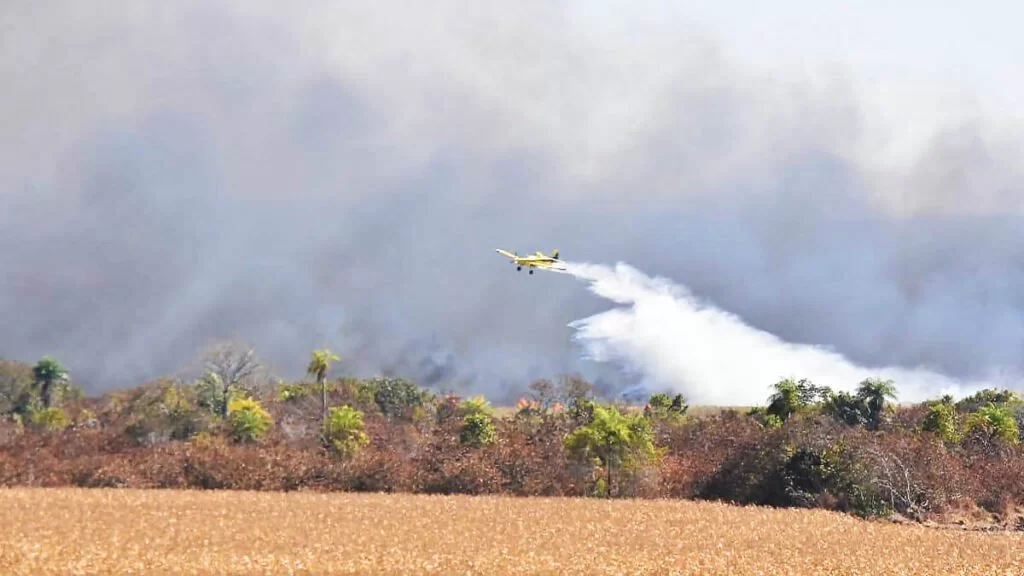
x=897, y=481
x=232, y=363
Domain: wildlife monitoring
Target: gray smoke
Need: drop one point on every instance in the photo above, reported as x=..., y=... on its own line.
x=339, y=174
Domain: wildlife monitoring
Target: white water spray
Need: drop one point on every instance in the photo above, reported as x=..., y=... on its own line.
x=679, y=343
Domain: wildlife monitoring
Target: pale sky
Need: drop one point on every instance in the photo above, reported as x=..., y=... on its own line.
x=920, y=66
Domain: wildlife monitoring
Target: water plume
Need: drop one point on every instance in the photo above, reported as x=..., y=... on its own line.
x=675, y=341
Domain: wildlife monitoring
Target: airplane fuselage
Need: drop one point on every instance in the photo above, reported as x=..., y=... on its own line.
x=536, y=261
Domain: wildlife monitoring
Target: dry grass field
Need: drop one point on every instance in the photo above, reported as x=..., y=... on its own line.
x=79, y=531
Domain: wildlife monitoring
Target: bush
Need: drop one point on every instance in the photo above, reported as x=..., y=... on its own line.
x=581, y=411
x=50, y=419
x=478, y=430
x=916, y=475
x=665, y=407
x=345, y=430
x=17, y=388
x=996, y=422
x=847, y=408
x=210, y=393
x=812, y=459
x=941, y=419
x=476, y=405
x=248, y=420
x=447, y=408
x=292, y=392
x=396, y=397
x=163, y=412
x=830, y=477
x=987, y=396
x=808, y=462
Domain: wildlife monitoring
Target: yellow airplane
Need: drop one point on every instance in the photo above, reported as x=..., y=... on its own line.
x=537, y=260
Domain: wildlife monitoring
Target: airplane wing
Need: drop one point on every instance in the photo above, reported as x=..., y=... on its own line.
x=539, y=260
x=523, y=259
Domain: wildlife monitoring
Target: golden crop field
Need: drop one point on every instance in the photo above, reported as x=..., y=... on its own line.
x=80, y=531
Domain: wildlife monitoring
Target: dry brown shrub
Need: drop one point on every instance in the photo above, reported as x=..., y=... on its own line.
x=724, y=454
x=1000, y=481
x=917, y=474
x=531, y=459
x=697, y=450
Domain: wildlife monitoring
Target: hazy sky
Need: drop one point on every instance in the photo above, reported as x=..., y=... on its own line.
x=918, y=66
x=339, y=175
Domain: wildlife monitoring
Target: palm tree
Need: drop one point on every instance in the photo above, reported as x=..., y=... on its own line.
x=48, y=373
x=318, y=367
x=874, y=392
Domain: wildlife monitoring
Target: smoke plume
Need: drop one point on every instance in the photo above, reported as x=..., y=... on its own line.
x=174, y=174
x=679, y=343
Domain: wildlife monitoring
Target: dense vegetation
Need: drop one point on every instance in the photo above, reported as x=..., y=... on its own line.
x=234, y=428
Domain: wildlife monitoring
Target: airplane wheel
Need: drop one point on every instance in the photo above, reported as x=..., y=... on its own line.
x=519, y=268
x=531, y=271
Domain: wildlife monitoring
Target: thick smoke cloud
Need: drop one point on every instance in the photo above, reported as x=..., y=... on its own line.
x=338, y=175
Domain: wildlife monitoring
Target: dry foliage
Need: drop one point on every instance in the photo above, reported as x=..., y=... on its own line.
x=170, y=435
x=83, y=531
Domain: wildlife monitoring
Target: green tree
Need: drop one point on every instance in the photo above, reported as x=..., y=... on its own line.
x=344, y=430
x=874, y=392
x=986, y=396
x=49, y=374
x=847, y=408
x=793, y=396
x=659, y=401
x=865, y=407
x=614, y=440
x=212, y=395
x=941, y=419
x=665, y=407
x=17, y=393
x=812, y=471
x=319, y=364
x=396, y=397
x=996, y=422
x=478, y=430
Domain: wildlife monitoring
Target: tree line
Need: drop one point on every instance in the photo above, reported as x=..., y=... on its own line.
x=234, y=427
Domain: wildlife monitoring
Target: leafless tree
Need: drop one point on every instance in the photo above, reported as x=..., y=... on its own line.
x=230, y=364
x=896, y=481
x=544, y=394
x=574, y=388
